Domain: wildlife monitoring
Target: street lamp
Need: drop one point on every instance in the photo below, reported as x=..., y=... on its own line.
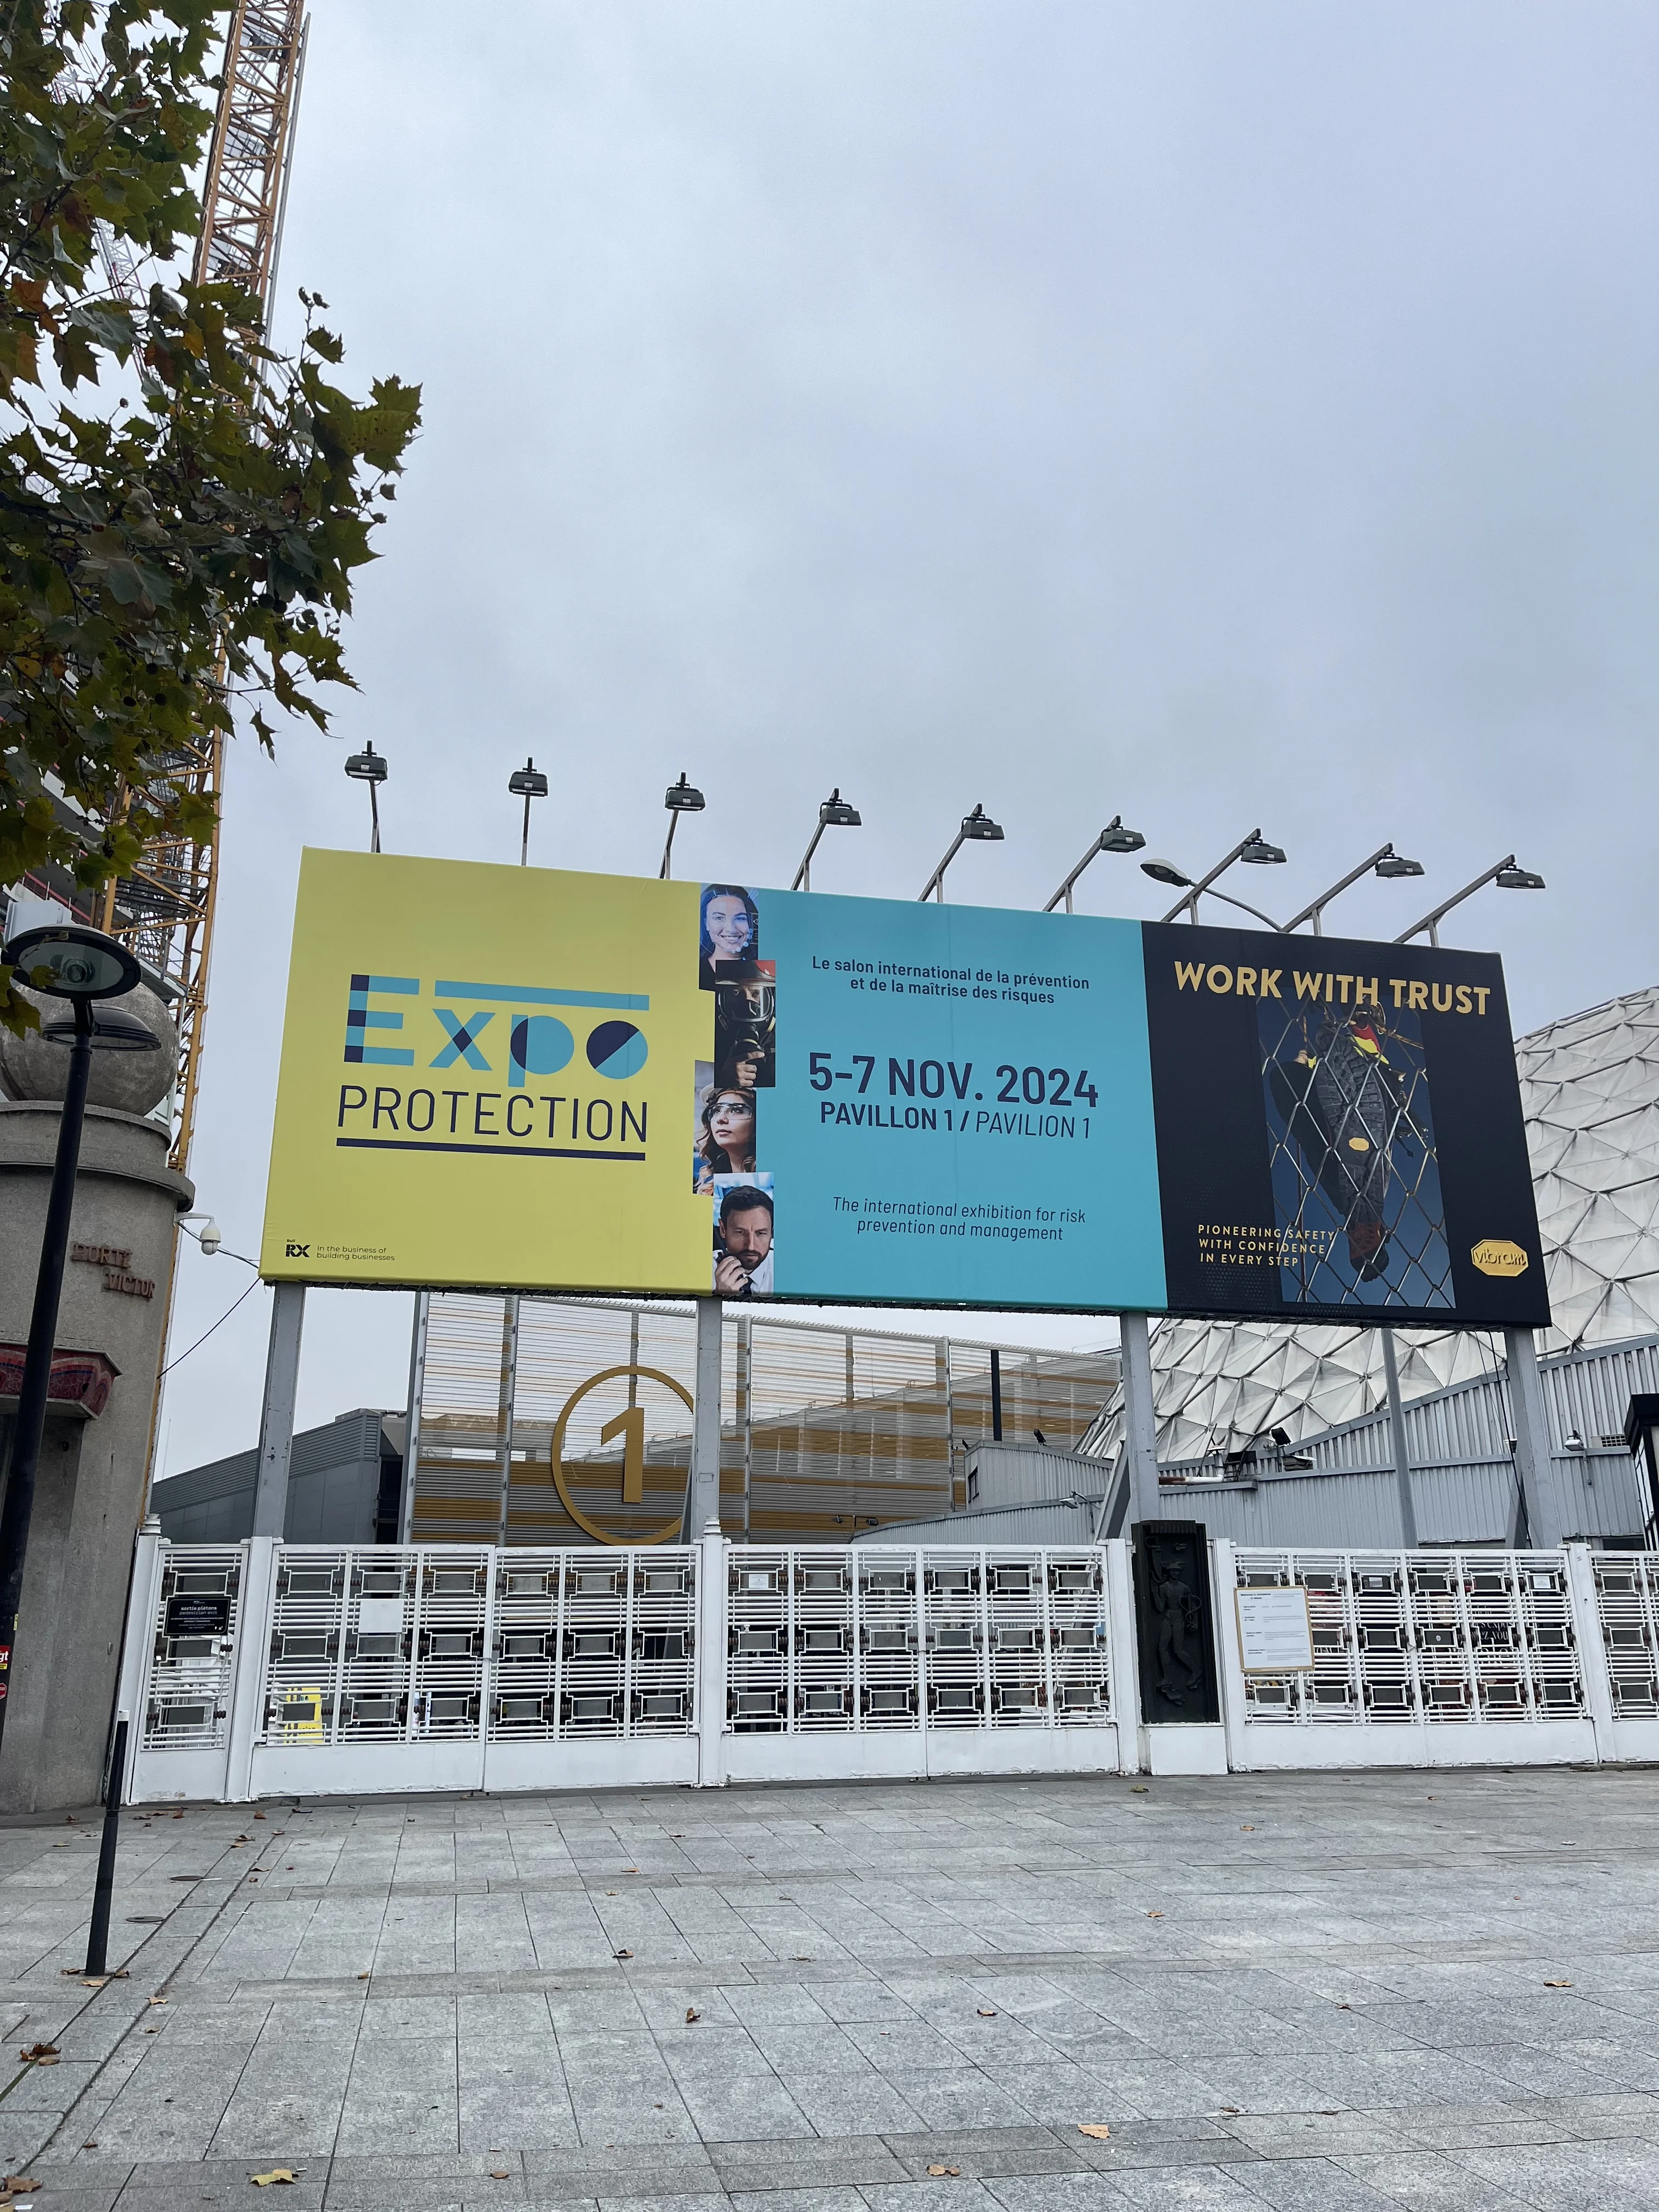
x=82, y=965
x=526, y=783
x=1114, y=838
x=681, y=798
x=1255, y=851
x=834, y=814
x=976, y=827
x=369, y=767
x=1505, y=874
x=1386, y=863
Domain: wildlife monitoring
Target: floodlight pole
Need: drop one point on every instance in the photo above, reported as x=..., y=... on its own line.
x=1103, y=843
x=1315, y=910
x=990, y=834
x=1431, y=921
x=33, y=1393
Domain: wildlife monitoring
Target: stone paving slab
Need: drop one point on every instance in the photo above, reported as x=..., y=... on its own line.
x=1295, y=1991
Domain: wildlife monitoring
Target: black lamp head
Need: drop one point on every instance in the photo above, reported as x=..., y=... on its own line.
x=837, y=814
x=1396, y=864
x=1259, y=853
x=980, y=826
x=67, y=961
x=1519, y=879
x=528, y=781
x=684, y=798
x=368, y=766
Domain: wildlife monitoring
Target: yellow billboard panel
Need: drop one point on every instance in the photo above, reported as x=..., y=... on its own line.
x=484, y=1081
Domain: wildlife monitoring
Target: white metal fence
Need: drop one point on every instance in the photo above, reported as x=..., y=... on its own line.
x=261, y=1668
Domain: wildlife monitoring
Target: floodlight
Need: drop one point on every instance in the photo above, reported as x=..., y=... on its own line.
x=368, y=766
x=1519, y=879
x=1117, y=839
x=681, y=798
x=1396, y=864
x=528, y=781
x=1259, y=853
x=834, y=813
x=979, y=825
x=976, y=827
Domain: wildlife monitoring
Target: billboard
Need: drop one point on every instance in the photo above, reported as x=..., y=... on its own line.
x=513, y=1077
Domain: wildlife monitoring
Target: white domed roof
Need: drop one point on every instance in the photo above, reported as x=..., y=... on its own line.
x=1590, y=1089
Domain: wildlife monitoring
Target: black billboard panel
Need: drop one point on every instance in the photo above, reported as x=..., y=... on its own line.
x=1339, y=1135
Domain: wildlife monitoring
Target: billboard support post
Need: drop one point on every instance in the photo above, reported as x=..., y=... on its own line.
x=1402, y=1464
x=703, y=1490
x=1139, y=1427
x=1532, y=1455
x=288, y=1313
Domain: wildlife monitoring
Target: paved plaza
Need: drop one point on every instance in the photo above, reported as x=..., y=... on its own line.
x=1346, y=1992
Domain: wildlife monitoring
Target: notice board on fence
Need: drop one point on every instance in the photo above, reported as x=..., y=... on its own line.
x=526, y=1078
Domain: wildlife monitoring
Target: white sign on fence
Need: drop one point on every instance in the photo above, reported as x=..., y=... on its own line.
x=1275, y=1636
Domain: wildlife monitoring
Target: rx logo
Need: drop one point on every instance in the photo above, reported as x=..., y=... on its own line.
x=297, y=1251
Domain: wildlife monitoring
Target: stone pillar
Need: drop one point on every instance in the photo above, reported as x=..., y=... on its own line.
x=90, y=1497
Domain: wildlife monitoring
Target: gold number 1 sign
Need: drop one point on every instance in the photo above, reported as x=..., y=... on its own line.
x=630, y=1426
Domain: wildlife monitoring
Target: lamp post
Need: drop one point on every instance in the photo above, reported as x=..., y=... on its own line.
x=80, y=965
x=1384, y=862
x=526, y=783
x=1114, y=838
x=834, y=814
x=1253, y=850
x=978, y=827
x=1505, y=874
x=369, y=767
x=681, y=798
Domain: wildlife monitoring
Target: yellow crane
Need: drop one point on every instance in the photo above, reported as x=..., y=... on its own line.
x=164, y=910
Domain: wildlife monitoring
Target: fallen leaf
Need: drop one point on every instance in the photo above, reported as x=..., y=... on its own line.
x=622, y=1954
x=1097, y=2128
x=611, y=1892
x=500, y=2174
x=1557, y=1985
x=1136, y=1788
x=39, y=2054
x=1232, y=2109
x=987, y=2012
x=1345, y=2007
x=1328, y=2112
x=19, y=2184
x=363, y=1978
x=158, y=2000
x=1155, y=1915
x=1248, y=1828
x=691, y=2014
x=178, y=1816
x=260, y=1816
x=944, y=2169
x=276, y=2174
x=800, y=1958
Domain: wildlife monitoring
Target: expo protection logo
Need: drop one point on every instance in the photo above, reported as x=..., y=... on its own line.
x=538, y=1044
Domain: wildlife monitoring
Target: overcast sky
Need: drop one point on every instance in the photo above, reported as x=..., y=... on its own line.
x=1222, y=413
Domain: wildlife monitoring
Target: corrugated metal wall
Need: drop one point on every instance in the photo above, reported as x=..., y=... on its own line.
x=823, y=1431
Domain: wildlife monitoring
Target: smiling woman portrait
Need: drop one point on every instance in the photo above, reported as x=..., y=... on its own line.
x=729, y=943
x=727, y=1143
